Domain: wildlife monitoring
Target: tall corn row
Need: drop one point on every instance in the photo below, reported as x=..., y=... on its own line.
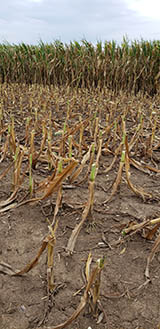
x=131, y=67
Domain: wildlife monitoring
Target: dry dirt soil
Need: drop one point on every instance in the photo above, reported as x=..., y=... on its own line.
x=128, y=300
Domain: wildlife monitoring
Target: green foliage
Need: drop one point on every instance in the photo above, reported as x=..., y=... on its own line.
x=131, y=66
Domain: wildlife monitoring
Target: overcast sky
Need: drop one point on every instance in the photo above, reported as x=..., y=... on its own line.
x=68, y=20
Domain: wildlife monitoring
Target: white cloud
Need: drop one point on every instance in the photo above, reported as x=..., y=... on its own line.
x=68, y=20
x=145, y=8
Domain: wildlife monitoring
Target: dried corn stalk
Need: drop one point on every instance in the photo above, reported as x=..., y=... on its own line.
x=91, y=294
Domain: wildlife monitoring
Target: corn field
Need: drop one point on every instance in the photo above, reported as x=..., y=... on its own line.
x=79, y=129
x=131, y=67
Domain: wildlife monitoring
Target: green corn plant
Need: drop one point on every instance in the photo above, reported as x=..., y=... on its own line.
x=88, y=209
